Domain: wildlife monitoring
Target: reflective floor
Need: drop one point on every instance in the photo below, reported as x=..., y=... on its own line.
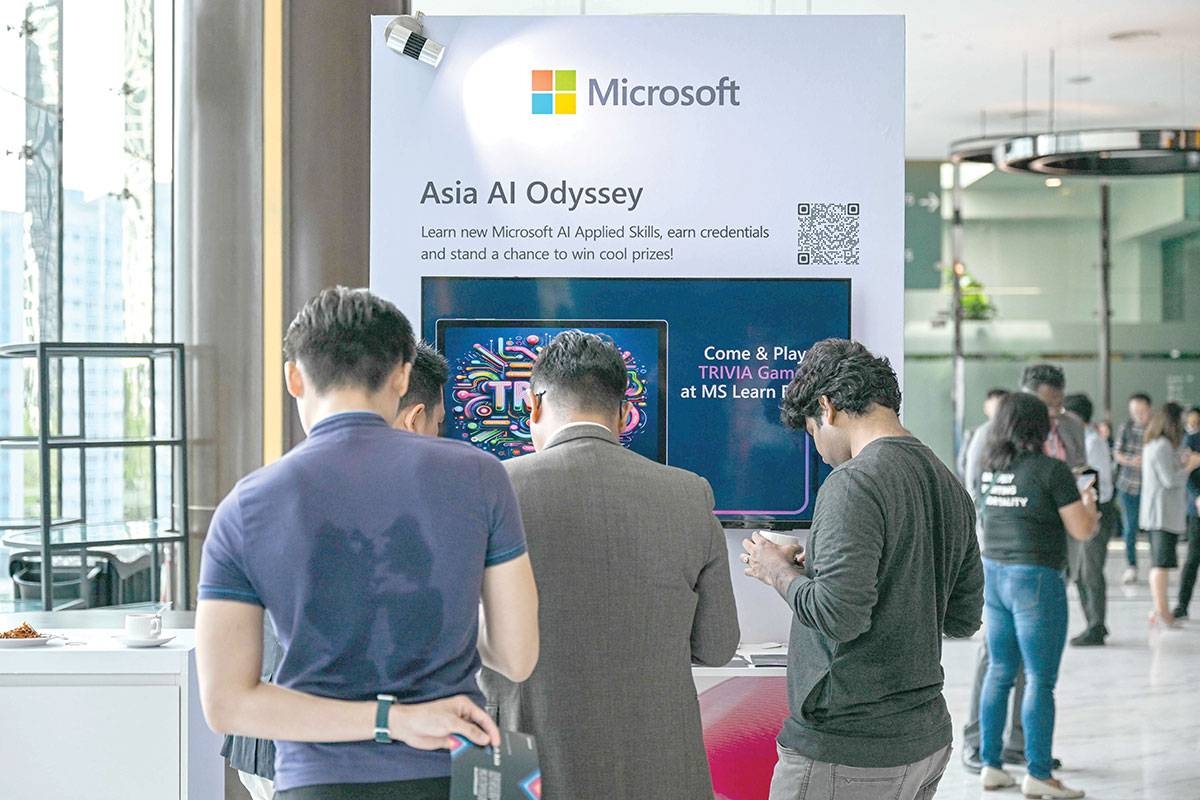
x=1128, y=713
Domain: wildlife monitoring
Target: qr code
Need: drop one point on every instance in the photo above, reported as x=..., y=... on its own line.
x=826, y=233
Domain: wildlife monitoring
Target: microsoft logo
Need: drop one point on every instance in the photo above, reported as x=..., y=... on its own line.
x=553, y=91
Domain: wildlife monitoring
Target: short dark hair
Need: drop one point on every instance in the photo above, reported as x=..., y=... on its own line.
x=1021, y=425
x=1142, y=396
x=347, y=338
x=1193, y=410
x=429, y=375
x=584, y=371
x=1037, y=375
x=997, y=392
x=1080, y=405
x=844, y=371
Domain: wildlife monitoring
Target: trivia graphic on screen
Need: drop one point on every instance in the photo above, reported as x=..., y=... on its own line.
x=491, y=361
x=716, y=381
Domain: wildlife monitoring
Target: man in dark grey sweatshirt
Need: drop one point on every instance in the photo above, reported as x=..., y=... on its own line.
x=892, y=565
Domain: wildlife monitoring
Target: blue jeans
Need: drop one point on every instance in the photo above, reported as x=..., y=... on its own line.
x=1025, y=609
x=1131, y=505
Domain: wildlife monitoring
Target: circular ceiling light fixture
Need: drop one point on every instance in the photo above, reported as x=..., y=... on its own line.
x=1102, y=153
x=977, y=150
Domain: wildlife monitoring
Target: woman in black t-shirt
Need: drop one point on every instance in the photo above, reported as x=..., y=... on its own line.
x=1029, y=503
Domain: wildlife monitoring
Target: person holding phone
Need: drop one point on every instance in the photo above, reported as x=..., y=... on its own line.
x=1089, y=558
x=1066, y=441
x=1030, y=504
x=891, y=567
x=1165, y=468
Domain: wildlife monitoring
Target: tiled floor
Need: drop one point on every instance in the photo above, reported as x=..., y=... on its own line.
x=1128, y=723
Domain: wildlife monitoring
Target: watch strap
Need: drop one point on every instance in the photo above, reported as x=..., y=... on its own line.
x=382, y=711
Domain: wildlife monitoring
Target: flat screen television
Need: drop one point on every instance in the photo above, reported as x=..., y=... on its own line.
x=708, y=360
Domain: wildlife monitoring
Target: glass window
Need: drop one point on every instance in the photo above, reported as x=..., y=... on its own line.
x=105, y=274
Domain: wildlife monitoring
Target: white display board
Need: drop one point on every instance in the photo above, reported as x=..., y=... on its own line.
x=724, y=124
x=545, y=153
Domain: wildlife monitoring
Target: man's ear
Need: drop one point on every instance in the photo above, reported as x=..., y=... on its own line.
x=293, y=379
x=828, y=411
x=410, y=417
x=535, y=408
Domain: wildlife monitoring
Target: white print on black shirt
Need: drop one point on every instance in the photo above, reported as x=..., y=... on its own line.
x=1001, y=492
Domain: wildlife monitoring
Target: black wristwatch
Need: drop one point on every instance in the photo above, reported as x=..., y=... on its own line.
x=382, y=735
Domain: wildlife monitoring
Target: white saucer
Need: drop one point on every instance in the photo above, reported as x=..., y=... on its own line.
x=15, y=644
x=130, y=641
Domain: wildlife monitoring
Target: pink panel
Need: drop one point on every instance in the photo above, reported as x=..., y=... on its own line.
x=742, y=717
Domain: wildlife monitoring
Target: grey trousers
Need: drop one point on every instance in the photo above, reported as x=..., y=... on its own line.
x=1014, y=740
x=1088, y=568
x=798, y=777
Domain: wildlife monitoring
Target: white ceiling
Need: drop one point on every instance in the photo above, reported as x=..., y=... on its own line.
x=965, y=56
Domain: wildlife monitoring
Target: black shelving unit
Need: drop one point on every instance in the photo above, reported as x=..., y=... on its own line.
x=54, y=536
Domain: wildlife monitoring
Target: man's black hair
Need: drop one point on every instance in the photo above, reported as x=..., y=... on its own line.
x=1080, y=405
x=428, y=378
x=997, y=392
x=349, y=338
x=1145, y=398
x=847, y=373
x=1037, y=375
x=583, y=371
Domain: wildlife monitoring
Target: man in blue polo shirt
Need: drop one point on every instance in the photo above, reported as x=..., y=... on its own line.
x=371, y=548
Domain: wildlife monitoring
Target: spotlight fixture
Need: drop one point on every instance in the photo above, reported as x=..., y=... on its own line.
x=1103, y=153
x=1053, y=183
x=405, y=34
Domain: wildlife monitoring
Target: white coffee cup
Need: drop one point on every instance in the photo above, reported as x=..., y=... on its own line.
x=781, y=539
x=143, y=626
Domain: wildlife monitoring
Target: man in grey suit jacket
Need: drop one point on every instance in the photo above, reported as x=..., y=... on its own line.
x=633, y=575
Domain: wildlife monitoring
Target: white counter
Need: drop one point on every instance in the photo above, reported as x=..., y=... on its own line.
x=739, y=672
x=706, y=678
x=102, y=721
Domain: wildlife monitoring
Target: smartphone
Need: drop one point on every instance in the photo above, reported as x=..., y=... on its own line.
x=1087, y=478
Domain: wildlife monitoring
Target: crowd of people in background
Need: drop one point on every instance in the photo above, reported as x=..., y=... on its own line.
x=1052, y=485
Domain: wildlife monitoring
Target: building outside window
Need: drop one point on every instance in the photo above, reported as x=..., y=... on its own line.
x=85, y=238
